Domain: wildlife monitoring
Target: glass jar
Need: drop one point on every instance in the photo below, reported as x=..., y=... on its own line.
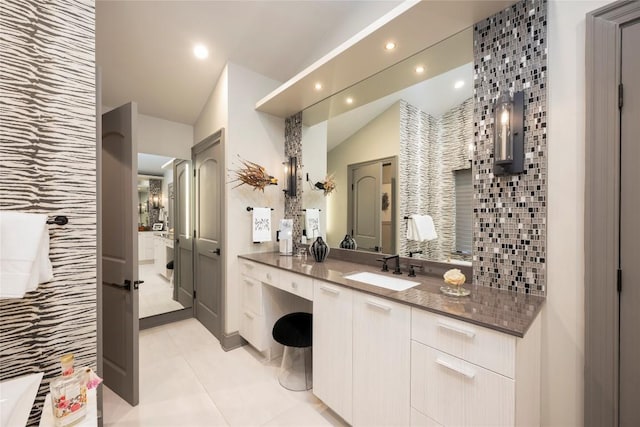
x=68, y=394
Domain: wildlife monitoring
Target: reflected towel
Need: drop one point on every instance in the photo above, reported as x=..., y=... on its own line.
x=261, y=224
x=24, y=253
x=312, y=219
x=421, y=228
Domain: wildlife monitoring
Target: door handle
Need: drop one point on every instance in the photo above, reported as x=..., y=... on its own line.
x=216, y=251
x=126, y=285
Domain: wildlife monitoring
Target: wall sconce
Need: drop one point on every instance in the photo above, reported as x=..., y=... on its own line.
x=291, y=176
x=508, y=141
x=155, y=202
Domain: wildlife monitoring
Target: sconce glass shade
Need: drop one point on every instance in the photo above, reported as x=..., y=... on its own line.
x=508, y=140
x=503, y=142
x=291, y=176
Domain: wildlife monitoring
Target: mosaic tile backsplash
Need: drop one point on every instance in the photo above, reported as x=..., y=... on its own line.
x=509, y=229
x=293, y=147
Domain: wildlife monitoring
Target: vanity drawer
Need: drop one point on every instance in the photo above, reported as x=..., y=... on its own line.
x=252, y=295
x=296, y=284
x=490, y=349
x=253, y=329
x=453, y=392
x=260, y=272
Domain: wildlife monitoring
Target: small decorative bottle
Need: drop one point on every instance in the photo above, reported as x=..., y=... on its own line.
x=68, y=394
x=319, y=250
x=348, y=242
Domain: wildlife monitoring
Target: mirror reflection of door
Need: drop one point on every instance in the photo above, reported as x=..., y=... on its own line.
x=370, y=204
x=183, y=264
x=156, y=236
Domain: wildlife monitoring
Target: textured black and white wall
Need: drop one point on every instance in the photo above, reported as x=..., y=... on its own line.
x=293, y=148
x=155, y=190
x=47, y=165
x=431, y=150
x=509, y=229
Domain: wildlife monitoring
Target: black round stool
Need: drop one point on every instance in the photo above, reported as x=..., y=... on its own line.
x=294, y=331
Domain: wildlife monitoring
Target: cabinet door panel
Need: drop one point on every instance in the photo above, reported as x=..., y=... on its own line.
x=381, y=361
x=332, y=347
x=457, y=393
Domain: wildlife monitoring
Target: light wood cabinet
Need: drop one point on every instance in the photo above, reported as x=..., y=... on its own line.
x=467, y=375
x=381, y=361
x=333, y=347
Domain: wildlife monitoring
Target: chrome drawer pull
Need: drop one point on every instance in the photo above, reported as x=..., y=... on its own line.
x=294, y=285
x=268, y=276
x=470, y=333
x=379, y=306
x=466, y=372
x=330, y=290
x=249, y=282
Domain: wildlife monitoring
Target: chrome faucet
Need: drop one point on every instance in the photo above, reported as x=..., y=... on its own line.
x=397, y=258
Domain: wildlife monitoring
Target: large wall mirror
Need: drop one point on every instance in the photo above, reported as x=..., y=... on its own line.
x=159, y=206
x=398, y=146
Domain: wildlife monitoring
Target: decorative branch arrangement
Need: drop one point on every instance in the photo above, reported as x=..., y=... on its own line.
x=254, y=175
x=328, y=185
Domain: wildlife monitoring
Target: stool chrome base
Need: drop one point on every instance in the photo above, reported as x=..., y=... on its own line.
x=296, y=370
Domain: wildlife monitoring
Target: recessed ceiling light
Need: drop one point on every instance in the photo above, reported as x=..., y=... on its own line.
x=459, y=84
x=318, y=86
x=390, y=46
x=200, y=51
x=349, y=100
x=419, y=69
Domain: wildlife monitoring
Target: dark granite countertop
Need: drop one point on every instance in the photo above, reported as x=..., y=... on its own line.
x=504, y=311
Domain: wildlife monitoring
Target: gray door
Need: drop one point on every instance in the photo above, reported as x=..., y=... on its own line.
x=208, y=186
x=366, y=193
x=183, y=232
x=120, y=252
x=630, y=230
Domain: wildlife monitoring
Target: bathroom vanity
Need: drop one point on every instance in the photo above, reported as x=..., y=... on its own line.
x=413, y=357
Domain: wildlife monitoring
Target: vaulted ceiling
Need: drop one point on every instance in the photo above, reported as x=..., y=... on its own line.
x=145, y=48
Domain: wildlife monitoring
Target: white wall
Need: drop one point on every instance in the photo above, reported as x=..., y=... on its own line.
x=253, y=136
x=257, y=137
x=162, y=137
x=215, y=112
x=314, y=162
x=378, y=139
x=563, y=315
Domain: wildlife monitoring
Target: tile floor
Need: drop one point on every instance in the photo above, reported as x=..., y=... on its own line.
x=186, y=379
x=156, y=293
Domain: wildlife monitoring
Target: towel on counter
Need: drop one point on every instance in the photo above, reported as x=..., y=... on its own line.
x=24, y=253
x=312, y=219
x=421, y=228
x=261, y=224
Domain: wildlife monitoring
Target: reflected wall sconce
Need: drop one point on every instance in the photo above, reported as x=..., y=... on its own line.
x=291, y=177
x=508, y=141
x=155, y=202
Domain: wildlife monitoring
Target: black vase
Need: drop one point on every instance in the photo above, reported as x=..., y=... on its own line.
x=348, y=242
x=319, y=250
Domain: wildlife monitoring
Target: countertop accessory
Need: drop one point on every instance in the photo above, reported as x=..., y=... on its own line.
x=454, y=279
x=319, y=250
x=68, y=394
x=158, y=226
x=348, y=242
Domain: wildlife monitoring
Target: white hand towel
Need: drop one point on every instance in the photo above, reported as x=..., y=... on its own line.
x=24, y=253
x=261, y=224
x=421, y=228
x=313, y=223
x=424, y=228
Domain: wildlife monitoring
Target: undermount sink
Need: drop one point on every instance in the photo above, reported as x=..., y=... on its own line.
x=16, y=399
x=382, y=281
